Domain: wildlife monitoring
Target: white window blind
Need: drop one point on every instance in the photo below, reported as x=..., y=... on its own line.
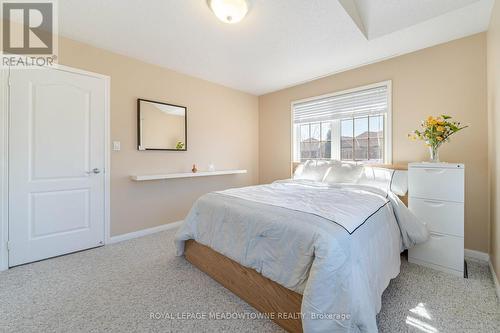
x=366, y=102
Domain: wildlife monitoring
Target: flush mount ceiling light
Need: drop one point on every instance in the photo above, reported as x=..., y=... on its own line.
x=229, y=11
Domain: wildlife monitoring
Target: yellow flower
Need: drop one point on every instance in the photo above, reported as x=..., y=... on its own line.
x=440, y=128
x=431, y=121
x=441, y=122
x=439, y=138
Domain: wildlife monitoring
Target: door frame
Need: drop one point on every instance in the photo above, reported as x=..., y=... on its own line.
x=4, y=157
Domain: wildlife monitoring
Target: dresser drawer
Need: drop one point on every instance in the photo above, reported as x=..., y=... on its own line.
x=441, y=216
x=443, y=250
x=436, y=183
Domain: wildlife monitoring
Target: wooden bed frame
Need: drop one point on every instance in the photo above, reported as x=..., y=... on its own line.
x=282, y=305
x=263, y=294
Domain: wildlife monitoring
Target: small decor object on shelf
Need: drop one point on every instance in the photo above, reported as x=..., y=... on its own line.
x=194, y=170
x=435, y=132
x=179, y=145
x=211, y=167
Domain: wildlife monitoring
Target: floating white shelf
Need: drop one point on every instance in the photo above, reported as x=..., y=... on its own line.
x=186, y=175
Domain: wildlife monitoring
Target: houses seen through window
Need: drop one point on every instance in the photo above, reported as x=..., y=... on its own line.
x=316, y=141
x=362, y=139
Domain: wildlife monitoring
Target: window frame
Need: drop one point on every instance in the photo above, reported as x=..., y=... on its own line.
x=336, y=128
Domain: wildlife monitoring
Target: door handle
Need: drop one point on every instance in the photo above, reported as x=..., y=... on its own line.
x=95, y=170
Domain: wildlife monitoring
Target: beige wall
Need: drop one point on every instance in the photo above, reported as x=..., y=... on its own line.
x=449, y=78
x=222, y=129
x=494, y=122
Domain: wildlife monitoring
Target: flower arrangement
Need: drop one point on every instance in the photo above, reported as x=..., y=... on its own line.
x=435, y=131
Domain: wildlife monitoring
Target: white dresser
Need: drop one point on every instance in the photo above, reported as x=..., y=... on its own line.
x=436, y=196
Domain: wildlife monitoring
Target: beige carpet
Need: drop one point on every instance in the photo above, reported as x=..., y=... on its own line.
x=119, y=288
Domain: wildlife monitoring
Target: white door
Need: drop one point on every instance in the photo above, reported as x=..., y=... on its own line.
x=56, y=163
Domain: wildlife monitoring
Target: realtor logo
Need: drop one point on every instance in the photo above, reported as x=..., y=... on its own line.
x=29, y=36
x=27, y=28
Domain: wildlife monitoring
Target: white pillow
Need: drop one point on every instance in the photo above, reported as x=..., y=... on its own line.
x=386, y=179
x=342, y=172
x=312, y=170
x=399, y=183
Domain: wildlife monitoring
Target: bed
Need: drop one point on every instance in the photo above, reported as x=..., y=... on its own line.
x=308, y=264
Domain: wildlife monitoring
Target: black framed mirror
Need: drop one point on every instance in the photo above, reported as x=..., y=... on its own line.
x=161, y=126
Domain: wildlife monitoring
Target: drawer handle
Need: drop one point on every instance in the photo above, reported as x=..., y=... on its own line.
x=434, y=203
x=436, y=236
x=432, y=170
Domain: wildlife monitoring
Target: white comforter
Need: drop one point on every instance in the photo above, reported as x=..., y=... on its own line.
x=338, y=245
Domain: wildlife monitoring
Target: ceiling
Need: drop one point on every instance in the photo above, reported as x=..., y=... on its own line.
x=279, y=44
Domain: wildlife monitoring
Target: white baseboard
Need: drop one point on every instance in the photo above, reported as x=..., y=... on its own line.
x=143, y=232
x=476, y=255
x=436, y=267
x=495, y=280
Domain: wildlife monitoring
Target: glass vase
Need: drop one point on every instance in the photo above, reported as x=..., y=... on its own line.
x=434, y=154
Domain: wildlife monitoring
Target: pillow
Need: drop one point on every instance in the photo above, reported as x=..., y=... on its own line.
x=386, y=179
x=342, y=172
x=400, y=182
x=311, y=170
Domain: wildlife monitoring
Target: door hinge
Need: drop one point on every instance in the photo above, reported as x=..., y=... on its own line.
x=9, y=245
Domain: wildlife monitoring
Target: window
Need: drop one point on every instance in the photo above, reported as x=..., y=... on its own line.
x=351, y=125
x=316, y=140
x=362, y=139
